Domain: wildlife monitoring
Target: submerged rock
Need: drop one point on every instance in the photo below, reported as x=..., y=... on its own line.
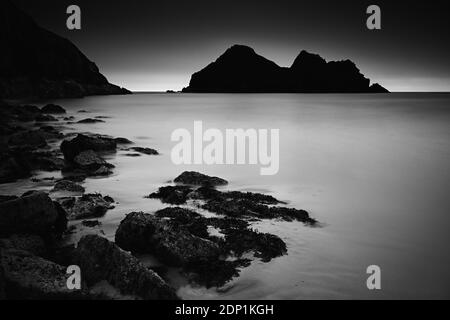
x=53, y=109
x=196, y=178
x=101, y=259
x=33, y=213
x=87, y=206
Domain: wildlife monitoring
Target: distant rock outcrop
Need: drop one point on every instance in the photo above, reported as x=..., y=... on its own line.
x=241, y=69
x=35, y=62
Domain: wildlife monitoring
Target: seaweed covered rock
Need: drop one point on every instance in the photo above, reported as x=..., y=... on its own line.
x=67, y=185
x=171, y=194
x=196, y=178
x=91, y=205
x=33, y=213
x=140, y=232
x=101, y=259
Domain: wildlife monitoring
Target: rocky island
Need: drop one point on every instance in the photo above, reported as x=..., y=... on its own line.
x=241, y=70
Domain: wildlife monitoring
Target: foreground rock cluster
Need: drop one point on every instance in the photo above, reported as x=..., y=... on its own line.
x=207, y=250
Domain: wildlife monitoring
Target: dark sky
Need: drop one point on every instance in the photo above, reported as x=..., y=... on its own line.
x=156, y=45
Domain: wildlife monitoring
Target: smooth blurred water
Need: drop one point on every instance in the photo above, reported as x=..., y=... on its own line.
x=374, y=169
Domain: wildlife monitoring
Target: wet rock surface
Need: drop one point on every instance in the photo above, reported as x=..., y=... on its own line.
x=196, y=178
x=67, y=185
x=53, y=109
x=101, y=259
x=87, y=206
x=71, y=148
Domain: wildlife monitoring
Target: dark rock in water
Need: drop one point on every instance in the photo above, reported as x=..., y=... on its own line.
x=174, y=231
x=148, y=151
x=50, y=133
x=53, y=109
x=33, y=213
x=377, y=88
x=88, y=160
x=26, y=242
x=90, y=120
x=140, y=232
x=134, y=155
x=121, y=140
x=31, y=277
x=45, y=118
x=85, y=207
x=240, y=69
x=67, y=185
x=101, y=259
x=71, y=148
x=83, y=111
x=91, y=223
x=69, y=118
x=29, y=139
x=265, y=246
x=172, y=194
x=196, y=178
x=35, y=62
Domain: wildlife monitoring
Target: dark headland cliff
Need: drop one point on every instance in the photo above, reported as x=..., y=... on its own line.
x=241, y=69
x=35, y=62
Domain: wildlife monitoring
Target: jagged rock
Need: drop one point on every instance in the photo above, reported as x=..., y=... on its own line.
x=90, y=120
x=101, y=259
x=31, y=277
x=53, y=109
x=91, y=223
x=240, y=69
x=33, y=213
x=67, y=185
x=27, y=242
x=196, y=178
x=148, y=151
x=86, y=206
x=140, y=232
x=35, y=62
x=71, y=148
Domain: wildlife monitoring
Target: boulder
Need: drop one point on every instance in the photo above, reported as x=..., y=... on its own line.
x=101, y=259
x=87, y=206
x=11, y=168
x=33, y=213
x=121, y=140
x=67, y=185
x=28, y=276
x=52, y=109
x=140, y=232
x=71, y=148
x=196, y=178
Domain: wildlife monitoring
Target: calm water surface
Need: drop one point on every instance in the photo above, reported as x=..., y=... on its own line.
x=373, y=169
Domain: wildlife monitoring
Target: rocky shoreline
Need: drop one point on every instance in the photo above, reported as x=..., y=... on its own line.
x=208, y=251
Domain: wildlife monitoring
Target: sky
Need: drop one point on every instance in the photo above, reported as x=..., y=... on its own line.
x=147, y=45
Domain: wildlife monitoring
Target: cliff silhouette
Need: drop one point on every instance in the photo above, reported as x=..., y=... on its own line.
x=35, y=62
x=241, y=70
